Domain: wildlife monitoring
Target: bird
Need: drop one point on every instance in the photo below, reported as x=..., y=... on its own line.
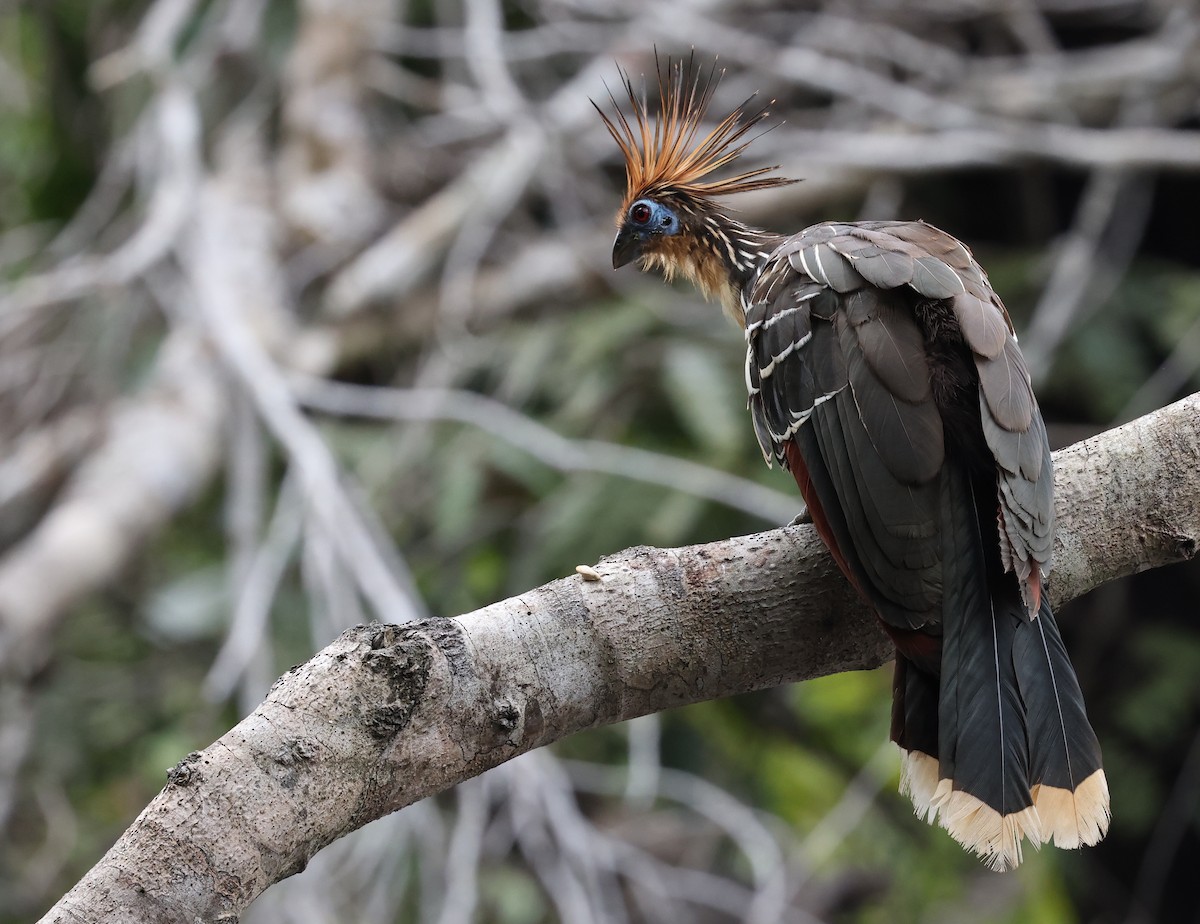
x=884, y=373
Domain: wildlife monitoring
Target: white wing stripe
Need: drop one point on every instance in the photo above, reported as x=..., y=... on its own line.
x=799, y=419
x=765, y=372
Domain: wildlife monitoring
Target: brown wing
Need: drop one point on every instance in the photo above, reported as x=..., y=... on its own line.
x=866, y=342
x=884, y=374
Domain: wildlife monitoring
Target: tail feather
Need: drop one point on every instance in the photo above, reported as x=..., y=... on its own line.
x=983, y=744
x=919, y=781
x=996, y=748
x=1077, y=817
x=1069, y=788
x=983, y=748
x=994, y=836
x=915, y=730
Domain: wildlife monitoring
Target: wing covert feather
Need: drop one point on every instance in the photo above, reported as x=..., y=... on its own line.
x=891, y=343
x=838, y=362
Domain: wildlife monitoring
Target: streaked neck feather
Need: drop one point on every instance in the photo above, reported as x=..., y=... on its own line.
x=720, y=260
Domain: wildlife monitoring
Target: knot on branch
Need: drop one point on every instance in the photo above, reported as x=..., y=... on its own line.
x=186, y=772
x=404, y=658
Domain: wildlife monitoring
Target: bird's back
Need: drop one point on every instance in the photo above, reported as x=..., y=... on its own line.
x=884, y=373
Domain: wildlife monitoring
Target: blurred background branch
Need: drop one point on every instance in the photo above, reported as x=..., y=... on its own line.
x=306, y=318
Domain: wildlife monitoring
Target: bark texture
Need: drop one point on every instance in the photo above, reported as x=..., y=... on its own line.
x=388, y=715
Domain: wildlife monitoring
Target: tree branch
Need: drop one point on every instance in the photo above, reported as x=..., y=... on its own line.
x=388, y=715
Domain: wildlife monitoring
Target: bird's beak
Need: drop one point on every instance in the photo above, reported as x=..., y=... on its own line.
x=626, y=248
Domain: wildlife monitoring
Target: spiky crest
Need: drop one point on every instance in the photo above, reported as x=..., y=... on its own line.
x=661, y=153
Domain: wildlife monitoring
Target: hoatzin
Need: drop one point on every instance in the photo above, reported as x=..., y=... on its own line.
x=884, y=373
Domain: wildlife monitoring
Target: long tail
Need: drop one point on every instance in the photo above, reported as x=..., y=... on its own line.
x=998, y=748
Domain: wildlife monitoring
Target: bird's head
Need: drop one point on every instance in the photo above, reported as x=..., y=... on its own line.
x=642, y=227
x=670, y=219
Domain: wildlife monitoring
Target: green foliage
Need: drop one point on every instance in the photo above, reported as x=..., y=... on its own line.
x=1150, y=313
x=706, y=400
x=1161, y=707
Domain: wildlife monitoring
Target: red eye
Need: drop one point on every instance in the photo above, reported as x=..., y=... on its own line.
x=640, y=213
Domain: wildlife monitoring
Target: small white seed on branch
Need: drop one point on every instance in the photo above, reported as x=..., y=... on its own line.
x=587, y=572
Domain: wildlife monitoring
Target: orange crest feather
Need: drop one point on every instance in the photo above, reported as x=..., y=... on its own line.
x=661, y=153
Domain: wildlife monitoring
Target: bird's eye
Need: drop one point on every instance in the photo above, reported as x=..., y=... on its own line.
x=640, y=213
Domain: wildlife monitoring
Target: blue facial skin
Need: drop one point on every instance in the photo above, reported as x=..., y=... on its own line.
x=645, y=220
